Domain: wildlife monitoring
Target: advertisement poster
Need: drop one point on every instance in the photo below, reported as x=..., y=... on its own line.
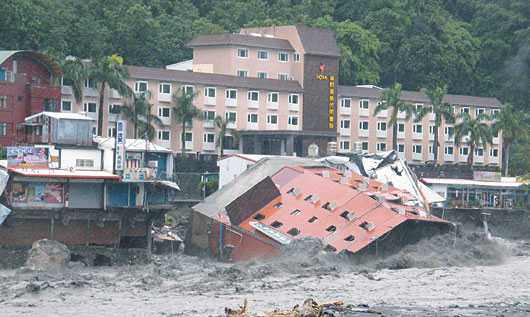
x=27, y=157
x=36, y=193
x=54, y=194
x=19, y=192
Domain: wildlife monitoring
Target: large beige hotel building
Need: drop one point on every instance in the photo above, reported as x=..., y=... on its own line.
x=280, y=86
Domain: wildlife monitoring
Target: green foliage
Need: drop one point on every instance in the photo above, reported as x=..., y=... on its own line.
x=209, y=186
x=476, y=130
x=176, y=213
x=3, y=153
x=185, y=112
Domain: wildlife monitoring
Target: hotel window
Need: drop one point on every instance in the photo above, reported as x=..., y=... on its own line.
x=344, y=124
x=253, y=96
x=90, y=83
x=3, y=128
x=242, y=73
x=164, y=112
x=283, y=76
x=293, y=99
x=252, y=118
x=296, y=57
x=381, y=147
x=449, y=130
x=364, y=104
x=242, y=52
x=263, y=55
x=50, y=104
x=431, y=129
x=364, y=146
x=293, y=120
x=164, y=88
x=114, y=108
x=163, y=135
x=464, y=151
x=208, y=138
x=416, y=148
x=3, y=101
x=449, y=150
x=479, y=111
x=363, y=125
x=188, y=89
x=401, y=148
x=418, y=106
x=209, y=92
x=111, y=132
x=494, y=152
x=464, y=110
x=231, y=94
x=231, y=116
x=209, y=115
x=90, y=107
x=417, y=128
x=66, y=105
x=263, y=75
x=272, y=97
x=188, y=137
x=345, y=145
x=479, y=152
x=94, y=130
x=345, y=103
x=140, y=86
x=381, y=126
x=430, y=149
x=401, y=127
x=272, y=119
x=84, y=163
x=283, y=57
x=494, y=111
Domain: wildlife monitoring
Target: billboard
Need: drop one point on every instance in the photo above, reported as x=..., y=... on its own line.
x=137, y=174
x=120, y=144
x=27, y=157
x=487, y=176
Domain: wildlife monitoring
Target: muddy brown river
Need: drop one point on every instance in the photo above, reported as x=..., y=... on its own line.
x=467, y=275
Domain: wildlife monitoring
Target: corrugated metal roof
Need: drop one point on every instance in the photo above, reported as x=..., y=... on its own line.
x=207, y=79
x=347, y=226
x=250, y=157
x=469, y=182
x=132, y=145
x=60, y=115
x=419, y=97
x=240, y=40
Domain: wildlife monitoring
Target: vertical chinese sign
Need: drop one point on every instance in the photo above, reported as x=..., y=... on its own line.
x=120, y=144
x=332, y=103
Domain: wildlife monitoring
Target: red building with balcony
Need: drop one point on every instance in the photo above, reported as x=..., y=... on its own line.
x=29, y=84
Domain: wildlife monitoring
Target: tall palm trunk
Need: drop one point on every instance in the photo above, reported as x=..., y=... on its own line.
x=183, y=139
x=394, y=136
x=471, y=154
x=100, y=114
x=436, y=144
x=507, y=158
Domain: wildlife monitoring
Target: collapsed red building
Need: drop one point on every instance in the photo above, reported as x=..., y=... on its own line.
x=349, y=213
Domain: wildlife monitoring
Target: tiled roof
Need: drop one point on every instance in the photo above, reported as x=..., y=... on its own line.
x=241, y=40
x=416, y=96
x=170, y=75
x=318, y=41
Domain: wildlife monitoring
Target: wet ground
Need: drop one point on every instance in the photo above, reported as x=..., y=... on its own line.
x=468, y=275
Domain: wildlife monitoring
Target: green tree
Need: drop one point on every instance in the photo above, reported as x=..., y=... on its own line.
x=358, y=47
x=476, y=130
x=442, y=111
x=391, y=98
x=222, y=124
x=74, y=74
x=513, y=129
x=108, y=70
x=139, y=113
x=185, y=112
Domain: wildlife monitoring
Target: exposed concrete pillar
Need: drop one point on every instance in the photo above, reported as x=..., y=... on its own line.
x=289, y=145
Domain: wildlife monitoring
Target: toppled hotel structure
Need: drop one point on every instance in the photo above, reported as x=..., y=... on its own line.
x=280, y=199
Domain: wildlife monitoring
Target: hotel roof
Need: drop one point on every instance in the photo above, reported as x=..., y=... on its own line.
x=207, y=79
x=240, y=40
x=416, y=96
x=318, y=41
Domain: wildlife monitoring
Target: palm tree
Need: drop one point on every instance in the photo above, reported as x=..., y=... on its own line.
x=185, y=112
x=222, y=124
x=139, y=112
x=391, y=98
x=476, y=129
x=513, y=129
x=74, y=73
x=443, y=111
x=109, y=70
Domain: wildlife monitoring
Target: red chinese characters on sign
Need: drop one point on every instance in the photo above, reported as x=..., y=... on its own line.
x=332, y=102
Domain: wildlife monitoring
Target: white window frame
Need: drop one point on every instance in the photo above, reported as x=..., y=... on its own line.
x=270, y=116
x=86, y=107
x=242, y=52
x=381, y=126
x=111, y=132
x=252, y=93
x=381, y=147
x=252, y=115
x=465, y=109
x=415, y=148
x=242, y=73
x=161, y=112
x=283, y=76
x=62, y=105
x=291, y=119
x=280, y=54
x=161, y=90
x=187, y=88
x=262, y=75
x=137, y=86
x=206, y=135
x=296, y=57
x=162, y=133
x=344, y=123
x=266, y=55
x=343, y=143
x=269, y=97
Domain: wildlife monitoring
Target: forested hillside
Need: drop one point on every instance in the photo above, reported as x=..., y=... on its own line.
x=475, y=47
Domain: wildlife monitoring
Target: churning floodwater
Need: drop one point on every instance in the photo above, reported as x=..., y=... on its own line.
x=466, y=273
